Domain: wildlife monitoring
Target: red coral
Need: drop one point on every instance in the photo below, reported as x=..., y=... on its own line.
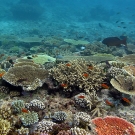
x=111, y=125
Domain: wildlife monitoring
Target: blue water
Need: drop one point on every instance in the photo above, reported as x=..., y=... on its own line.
x=67, y=15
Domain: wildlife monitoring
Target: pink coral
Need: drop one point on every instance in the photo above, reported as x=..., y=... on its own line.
x=111, y=125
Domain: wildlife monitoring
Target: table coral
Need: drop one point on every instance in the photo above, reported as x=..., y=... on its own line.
x=28, y=76
x=124, y=84
x=112, y=125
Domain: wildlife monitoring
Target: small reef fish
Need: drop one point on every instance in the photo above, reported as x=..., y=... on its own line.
x=1, y=74
x=81, y=96
x=126, y=100
x=109, y=103
x=90, y=67
x=68, y=64
x=25, y=110
x=85, y=75
x=114, y=41
x=64, y=85
x=105, y=86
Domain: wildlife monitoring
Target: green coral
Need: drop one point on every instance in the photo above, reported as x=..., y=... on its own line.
x=17, y=105
x=29, y=118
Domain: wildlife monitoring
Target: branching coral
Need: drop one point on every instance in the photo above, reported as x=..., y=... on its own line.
x=4, y=127
x=111, y=125
x=124, y=84
x=28, y=77
x=35, y=105
x=5, y=112
x=78, y=73
x=91, y=102
x=79, y=131
x=29, y=118
x=60, y=116
x=44, y=126
x=17, y=105
x=81, y=119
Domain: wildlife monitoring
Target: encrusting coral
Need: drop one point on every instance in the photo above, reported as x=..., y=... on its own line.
x=78, y=73
x=29, y=77
x=112, y=125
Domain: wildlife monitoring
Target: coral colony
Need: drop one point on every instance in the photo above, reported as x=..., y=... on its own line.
x=67, y=67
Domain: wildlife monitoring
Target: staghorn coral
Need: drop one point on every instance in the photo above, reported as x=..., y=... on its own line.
x=17, y=105
x=27, y=76
x=112, y=125
x=29, y=118
x=124, y=84
x=4, y=127
x=44, y=126
x=78, y=73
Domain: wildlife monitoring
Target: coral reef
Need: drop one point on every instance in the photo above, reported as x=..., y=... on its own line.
x=41, y=58
x=113, y=125
x=76, y=42
x=127, y=59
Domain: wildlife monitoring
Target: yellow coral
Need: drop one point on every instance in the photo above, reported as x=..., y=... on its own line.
x=4, y=127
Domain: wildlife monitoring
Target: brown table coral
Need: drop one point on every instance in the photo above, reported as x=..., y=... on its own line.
x=27, y=75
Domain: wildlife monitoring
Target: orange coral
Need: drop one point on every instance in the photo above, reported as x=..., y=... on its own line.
x=111, y=125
